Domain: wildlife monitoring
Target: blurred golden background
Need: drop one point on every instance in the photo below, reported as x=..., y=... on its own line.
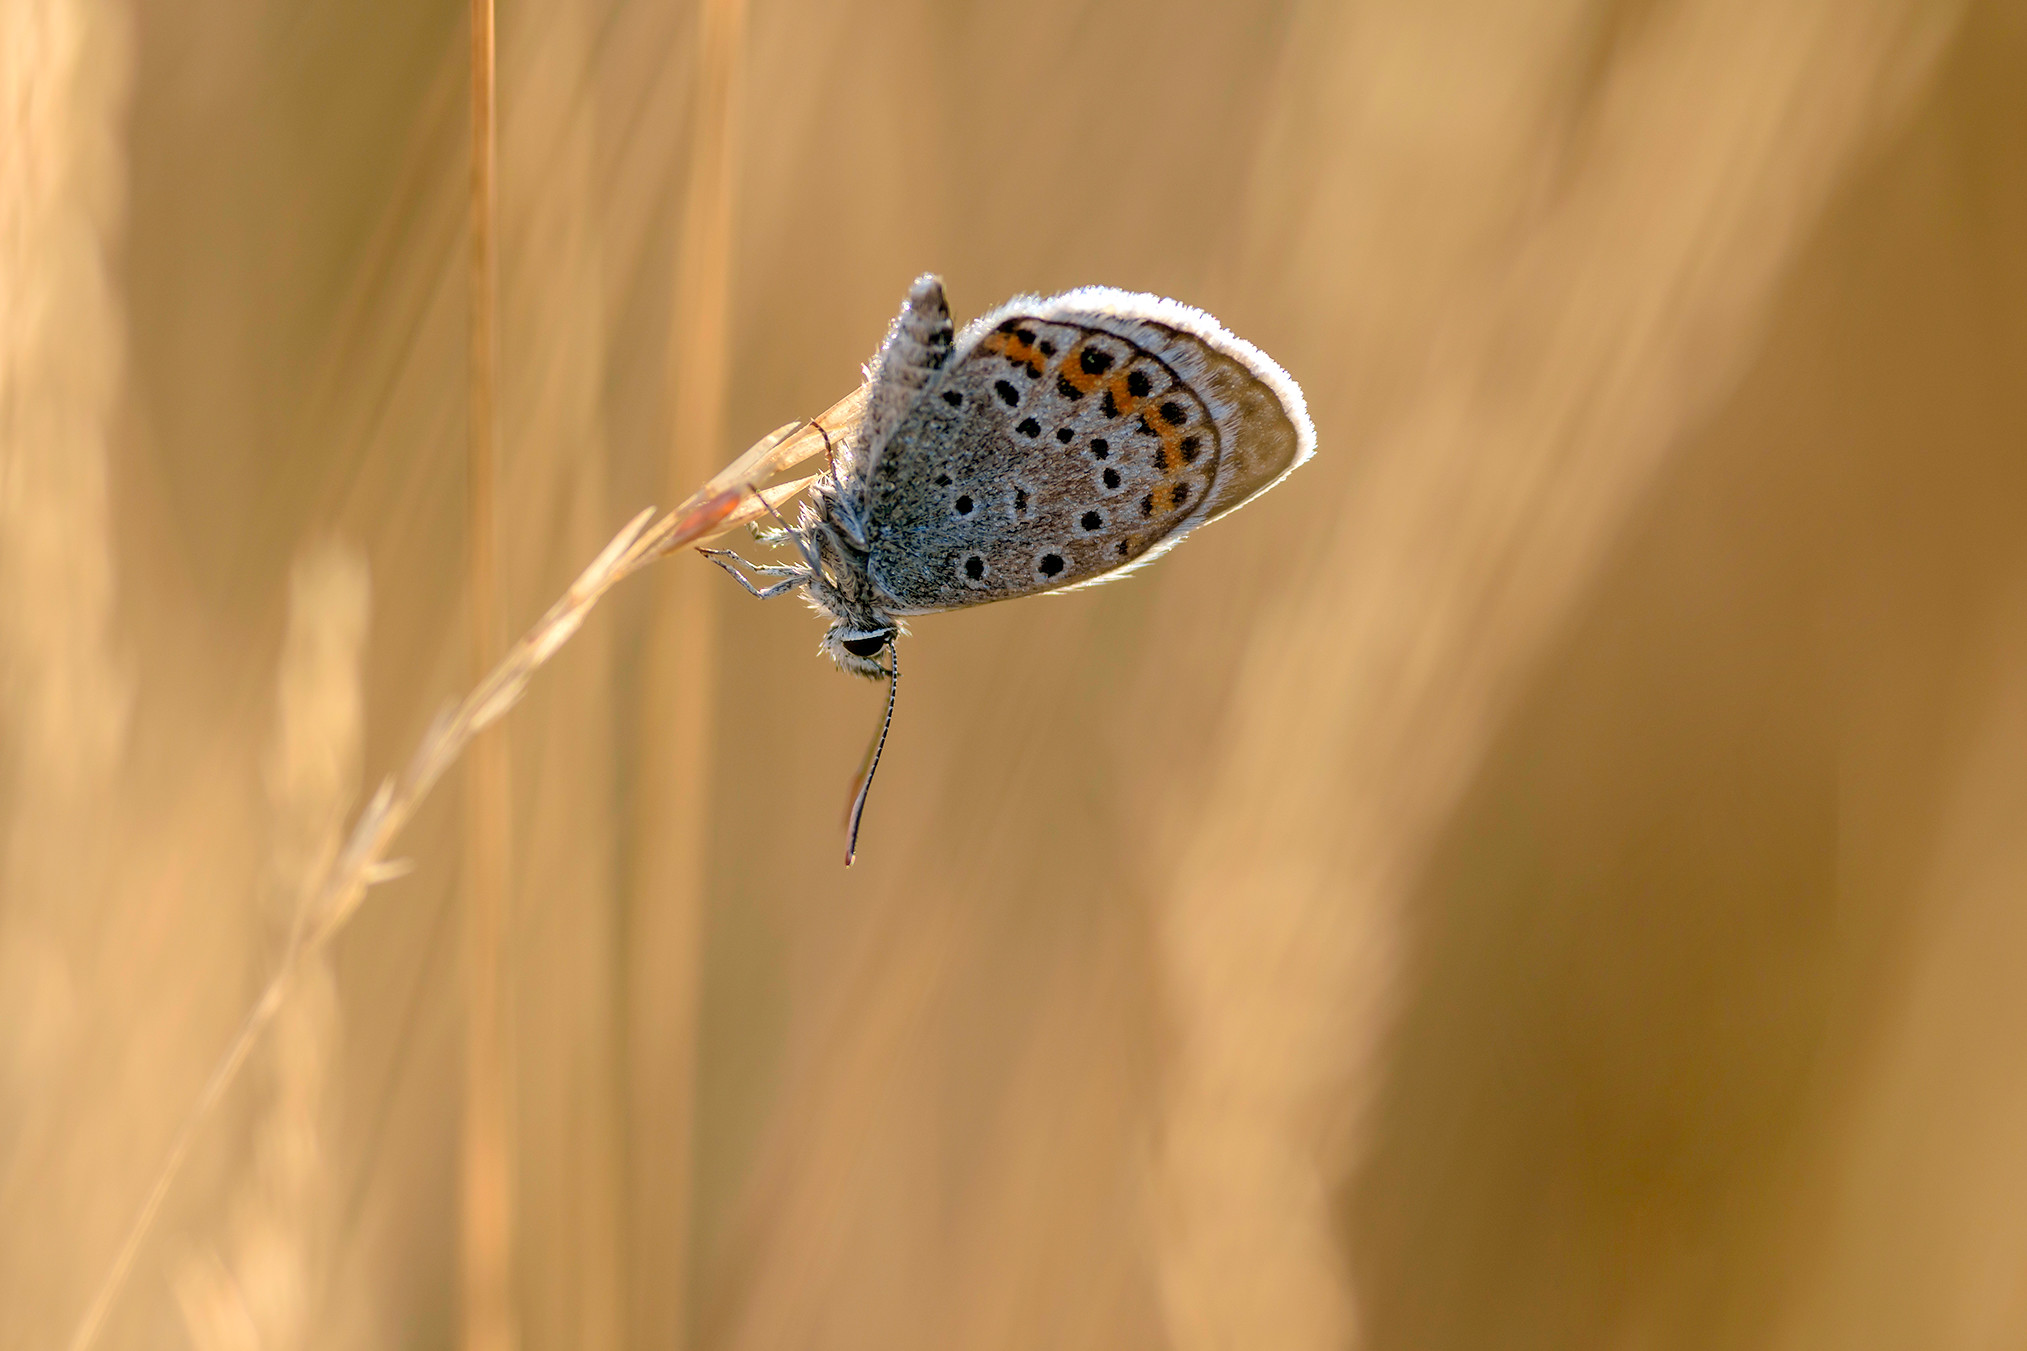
x=1553, y=874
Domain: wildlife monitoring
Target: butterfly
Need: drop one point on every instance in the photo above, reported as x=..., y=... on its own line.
x=1056, y=442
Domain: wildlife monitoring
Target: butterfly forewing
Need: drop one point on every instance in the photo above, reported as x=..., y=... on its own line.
x=1063, y=442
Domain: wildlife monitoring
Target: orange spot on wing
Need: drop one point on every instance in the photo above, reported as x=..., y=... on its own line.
x=1198, y=424
x=1122, y=399
x=1010, y=345
x=1171, y=437
x=1073, y=371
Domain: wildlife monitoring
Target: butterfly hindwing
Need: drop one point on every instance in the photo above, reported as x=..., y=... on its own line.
x=1068, y=439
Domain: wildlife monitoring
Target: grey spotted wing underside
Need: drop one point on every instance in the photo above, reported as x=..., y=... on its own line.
x=1067, y=439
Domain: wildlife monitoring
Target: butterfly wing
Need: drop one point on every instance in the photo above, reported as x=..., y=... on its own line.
x=1069, y=439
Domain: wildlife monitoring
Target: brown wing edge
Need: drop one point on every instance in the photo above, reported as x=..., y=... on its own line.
x=1265, y=435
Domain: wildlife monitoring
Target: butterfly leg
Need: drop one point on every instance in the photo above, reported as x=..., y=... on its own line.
x=792, y=576
x=804, y=545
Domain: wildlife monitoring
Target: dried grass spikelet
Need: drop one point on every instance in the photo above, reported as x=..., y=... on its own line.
x=262, y=1289
x=331, y=893
x=728, y=500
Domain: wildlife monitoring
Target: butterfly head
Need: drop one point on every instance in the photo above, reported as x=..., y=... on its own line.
x=856, y=646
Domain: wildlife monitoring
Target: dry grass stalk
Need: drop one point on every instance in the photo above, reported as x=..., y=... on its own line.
x=331, y=899
x=486, y=1199
x=569, y=753
x=264, y=1288
x=674, y=715
x=65, y=692
x=1483, y=513
x=63, y=697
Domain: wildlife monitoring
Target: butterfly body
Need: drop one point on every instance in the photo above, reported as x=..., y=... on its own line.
x=1054, y=442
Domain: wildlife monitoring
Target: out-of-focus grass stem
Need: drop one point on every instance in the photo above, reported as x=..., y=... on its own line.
x=486, y=1209
x=677, y=693
x=328, y=904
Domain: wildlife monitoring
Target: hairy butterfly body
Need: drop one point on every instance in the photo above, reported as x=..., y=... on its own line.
x=1053, y=443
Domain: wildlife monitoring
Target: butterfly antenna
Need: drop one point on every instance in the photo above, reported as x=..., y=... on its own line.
x=873, y=753
x=829, y=457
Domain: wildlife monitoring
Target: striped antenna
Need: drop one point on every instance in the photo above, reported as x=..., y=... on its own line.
x=873, y=753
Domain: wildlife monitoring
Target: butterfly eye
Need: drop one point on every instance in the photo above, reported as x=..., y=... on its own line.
x=869, y=646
